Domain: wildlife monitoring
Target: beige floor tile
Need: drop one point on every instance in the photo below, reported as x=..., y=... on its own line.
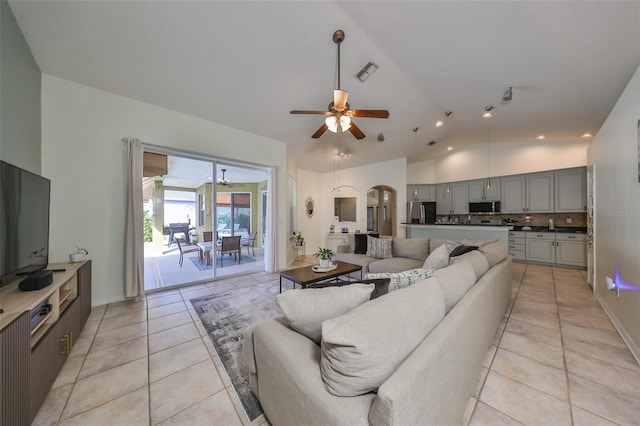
x=98, y=389
x=540, y=376
x=530, y=303
x=169, y=321
x=114, y=337
x=616, y=377
x=484, y=415
x=99, y=361
x=194, y=294
x=596, y=335
x=97, y=312
x=218, y=287
x=52, y=406
x=161, y=293
x=123, y=320
x=580, y=319
x=523, y=403
x=604, y=401
x=534, y=332
x=90, y=329
x=535, y=316
x=183, y=389
x=608, y=353
x=176, y=358
x=164, y=300
x=117, y=309
x=163, y=310
x=172, y=337
x=69, y=372
x=131, y=409
x=584, y=418
x=215, y=410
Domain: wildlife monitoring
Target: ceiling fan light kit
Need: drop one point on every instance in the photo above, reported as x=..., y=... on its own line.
x=339, y=114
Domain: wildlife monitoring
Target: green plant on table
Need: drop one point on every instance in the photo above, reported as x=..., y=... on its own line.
x=324, y=253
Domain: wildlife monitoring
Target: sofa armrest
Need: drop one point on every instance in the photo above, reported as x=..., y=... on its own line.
x=344, y=248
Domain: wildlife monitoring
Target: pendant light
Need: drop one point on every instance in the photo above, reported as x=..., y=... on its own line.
x=415, y=145
x=487, y=115
x=447, y=115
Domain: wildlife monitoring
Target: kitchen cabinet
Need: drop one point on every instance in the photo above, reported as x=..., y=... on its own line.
x=541, y=247
x=479, y=192
x=426, y=192
x=454, y=202
x=571, y=249
x=571, y=190
x=531, y=193
x=517, y=245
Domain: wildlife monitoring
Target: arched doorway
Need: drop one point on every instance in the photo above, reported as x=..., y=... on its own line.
x=381, y=210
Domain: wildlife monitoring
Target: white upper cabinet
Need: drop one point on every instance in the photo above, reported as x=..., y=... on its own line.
x=479, y=192
x=571, y=190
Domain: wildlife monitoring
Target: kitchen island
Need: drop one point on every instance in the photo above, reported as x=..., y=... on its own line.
x=457, y=232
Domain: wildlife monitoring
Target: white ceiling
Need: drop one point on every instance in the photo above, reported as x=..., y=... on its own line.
x=245, y=64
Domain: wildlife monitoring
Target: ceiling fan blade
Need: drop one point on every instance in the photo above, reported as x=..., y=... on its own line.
x=368, y=113
x=340, y=99
x=355, y=131
x=320, y=131
x=296, y=111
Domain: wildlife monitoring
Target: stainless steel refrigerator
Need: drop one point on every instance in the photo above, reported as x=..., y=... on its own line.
x=421, y=212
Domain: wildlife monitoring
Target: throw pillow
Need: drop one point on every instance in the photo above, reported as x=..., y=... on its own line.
x=305, y=310
x=451, y=246
x=361, y=243
x=455, y=281
x=398, y=280
x=361, y=349
x=462, y=249
x=411, y=248
x=379, y=248
x=439, y=258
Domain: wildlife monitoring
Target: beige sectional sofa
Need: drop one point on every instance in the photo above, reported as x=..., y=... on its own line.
x=409, y=357
x=406, y=254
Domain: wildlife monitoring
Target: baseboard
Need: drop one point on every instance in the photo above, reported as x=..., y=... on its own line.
x=635, y=350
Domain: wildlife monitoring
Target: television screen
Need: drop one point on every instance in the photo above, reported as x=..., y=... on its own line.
x=24, y=222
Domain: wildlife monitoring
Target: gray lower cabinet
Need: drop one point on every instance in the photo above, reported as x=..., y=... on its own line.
x=517, y=245
x=549, y=247
x=541, y=247
x=571, y=249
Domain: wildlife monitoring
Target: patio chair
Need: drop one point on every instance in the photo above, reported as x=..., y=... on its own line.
x=186, y=248
x=249, y=243
x=229, y=245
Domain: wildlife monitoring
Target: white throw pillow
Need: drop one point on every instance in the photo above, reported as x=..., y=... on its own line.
x=398, y=280
x=362, y=348
x=379, y=248
x=305, y=310
x=439, y=258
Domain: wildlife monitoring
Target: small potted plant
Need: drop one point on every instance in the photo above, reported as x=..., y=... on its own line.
x=325, y=255
x=297, y=238
x=332, y=228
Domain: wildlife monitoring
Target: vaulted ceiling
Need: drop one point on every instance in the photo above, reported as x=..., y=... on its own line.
x=246, y=64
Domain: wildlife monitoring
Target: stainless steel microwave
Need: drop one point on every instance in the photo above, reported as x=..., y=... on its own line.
x=485, y=207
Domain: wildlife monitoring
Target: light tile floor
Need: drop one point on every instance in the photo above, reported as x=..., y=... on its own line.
x=556, y=359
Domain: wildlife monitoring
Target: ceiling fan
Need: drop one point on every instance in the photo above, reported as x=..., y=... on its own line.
x=339, y=113
x=223, y=181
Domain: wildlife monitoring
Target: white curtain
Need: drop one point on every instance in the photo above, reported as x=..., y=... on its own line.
x=133, y=231
x=271, y=237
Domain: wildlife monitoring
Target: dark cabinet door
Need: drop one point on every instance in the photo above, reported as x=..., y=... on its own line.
x=15, y=351
x=84, y=290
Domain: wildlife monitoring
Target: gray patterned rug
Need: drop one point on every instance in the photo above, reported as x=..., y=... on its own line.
x=225, y=315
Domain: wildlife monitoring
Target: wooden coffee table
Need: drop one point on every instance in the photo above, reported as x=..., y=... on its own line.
x=305, y=275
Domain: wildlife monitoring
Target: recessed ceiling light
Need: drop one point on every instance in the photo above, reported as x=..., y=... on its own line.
x=587, y=135
x=439, y=123
x=541, y=137
x=449, y=148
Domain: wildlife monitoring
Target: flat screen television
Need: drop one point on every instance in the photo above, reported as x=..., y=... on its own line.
x=24, y=222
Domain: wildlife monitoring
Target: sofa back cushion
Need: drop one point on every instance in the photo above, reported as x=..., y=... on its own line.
x=439, y=258
x=305, y=310
x=455, y=280
x=495, y=252
x=412, y=248
x=477, y=260
x=379, y=248
x=434, y=243
x=363, y=347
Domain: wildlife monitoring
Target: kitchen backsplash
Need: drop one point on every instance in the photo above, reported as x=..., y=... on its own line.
x=535, y=219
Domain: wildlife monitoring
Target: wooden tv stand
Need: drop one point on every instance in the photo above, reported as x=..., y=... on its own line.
x=32, y=355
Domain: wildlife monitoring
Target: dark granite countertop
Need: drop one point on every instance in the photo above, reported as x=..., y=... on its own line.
x=558, y=229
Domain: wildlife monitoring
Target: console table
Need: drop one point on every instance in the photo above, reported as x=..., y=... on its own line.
x=34, y=347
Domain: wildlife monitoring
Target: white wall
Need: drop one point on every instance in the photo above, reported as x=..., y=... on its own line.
x=614, y=154
x=470, y=161
x=309, y=185
x=83, y=155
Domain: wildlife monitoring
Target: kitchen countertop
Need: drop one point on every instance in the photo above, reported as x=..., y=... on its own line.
x=558, y=229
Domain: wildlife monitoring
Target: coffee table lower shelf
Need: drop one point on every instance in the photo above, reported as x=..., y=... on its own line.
x=305, y=276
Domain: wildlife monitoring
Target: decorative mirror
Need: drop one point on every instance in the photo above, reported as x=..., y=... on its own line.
x=309, y=206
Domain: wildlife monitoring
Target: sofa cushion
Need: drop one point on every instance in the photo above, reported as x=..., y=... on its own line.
x=362, y=348
x=379, y=248
x=394, y=264
x=477, y=243
x=462, y=249
x=495, y=252
x=382, y=285
x=357, y=259
x=477, y=260
x=398, y=280
x=435, y=243
x=455, y=280
x=306, y=309
x=439, y=258
x=412, y=248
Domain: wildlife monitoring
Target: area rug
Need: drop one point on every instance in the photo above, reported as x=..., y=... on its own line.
x=225, y=316
x=228, y=261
